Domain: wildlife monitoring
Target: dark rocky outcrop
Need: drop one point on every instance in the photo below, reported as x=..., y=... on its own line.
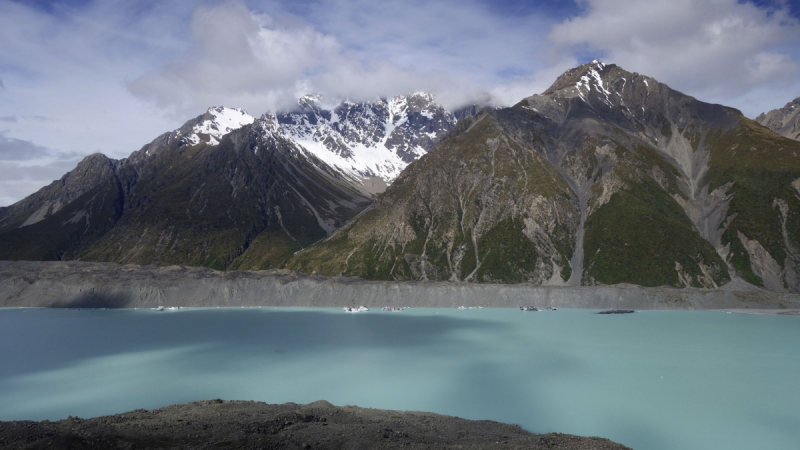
x=254, y=425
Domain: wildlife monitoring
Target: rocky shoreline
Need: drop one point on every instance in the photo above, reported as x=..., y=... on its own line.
x=76, y=284
x=218, y=424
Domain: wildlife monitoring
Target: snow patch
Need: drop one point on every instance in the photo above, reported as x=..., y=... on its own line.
x=593, y=78
x=223, y=120
x=356, y=140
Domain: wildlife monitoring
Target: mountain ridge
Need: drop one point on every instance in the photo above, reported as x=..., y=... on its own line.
x=373, y=139
x=607, y=177
x=154, y=201
x=657, y=195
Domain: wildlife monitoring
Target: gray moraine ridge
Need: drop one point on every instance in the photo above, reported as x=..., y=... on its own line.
x=77, y=284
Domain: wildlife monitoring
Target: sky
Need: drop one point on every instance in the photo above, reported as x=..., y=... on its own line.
x=85, y=76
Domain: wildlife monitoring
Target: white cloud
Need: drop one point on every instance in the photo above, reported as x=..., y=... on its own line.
x=459, y=51
x=716, y=50
x=111, y=75
x=63, y=74
x=262, y=63
x=515, y=90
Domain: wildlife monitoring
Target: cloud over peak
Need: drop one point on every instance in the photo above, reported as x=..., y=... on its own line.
x=259, y=62
x=712, y=49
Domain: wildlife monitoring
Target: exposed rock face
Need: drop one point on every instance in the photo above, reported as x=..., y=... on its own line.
x=651, y=142
x=371, y=139
x=784, y=121
x=318, y=425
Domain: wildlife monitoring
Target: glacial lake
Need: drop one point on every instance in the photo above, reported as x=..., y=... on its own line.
x=651, y=380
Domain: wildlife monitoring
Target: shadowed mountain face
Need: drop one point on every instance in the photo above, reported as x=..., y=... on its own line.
x=68, y=214
x=204, y=194
x=227, y=190
x=607, y=177
x=784, y=121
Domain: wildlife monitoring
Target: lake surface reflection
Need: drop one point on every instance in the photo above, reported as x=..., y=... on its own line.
x=650, y=380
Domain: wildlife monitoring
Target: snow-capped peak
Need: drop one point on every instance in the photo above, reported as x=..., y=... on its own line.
x=269, y=123
x=310, y=100
x=424, y=95
x=219, y=121
x=377, y=138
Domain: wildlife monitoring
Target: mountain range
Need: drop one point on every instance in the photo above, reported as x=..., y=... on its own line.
x=607, y=177
x=226, y=189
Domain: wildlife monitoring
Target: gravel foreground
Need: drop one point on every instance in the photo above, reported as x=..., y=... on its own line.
x=77, y=284
x=218, y=424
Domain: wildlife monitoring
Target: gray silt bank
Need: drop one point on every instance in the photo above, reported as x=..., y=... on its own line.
x=109, y=285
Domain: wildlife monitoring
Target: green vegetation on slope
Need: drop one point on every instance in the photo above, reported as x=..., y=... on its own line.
x=510, y=255
x=476, y=187
x=180, y=213
x=762, y=166
x=639, y=235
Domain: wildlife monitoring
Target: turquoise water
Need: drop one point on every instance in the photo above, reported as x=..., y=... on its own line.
x=651, y=380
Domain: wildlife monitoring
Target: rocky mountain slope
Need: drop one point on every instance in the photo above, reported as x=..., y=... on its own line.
x=784, y=121
x=227, y=190
x=200, y=195
x=607, y=177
